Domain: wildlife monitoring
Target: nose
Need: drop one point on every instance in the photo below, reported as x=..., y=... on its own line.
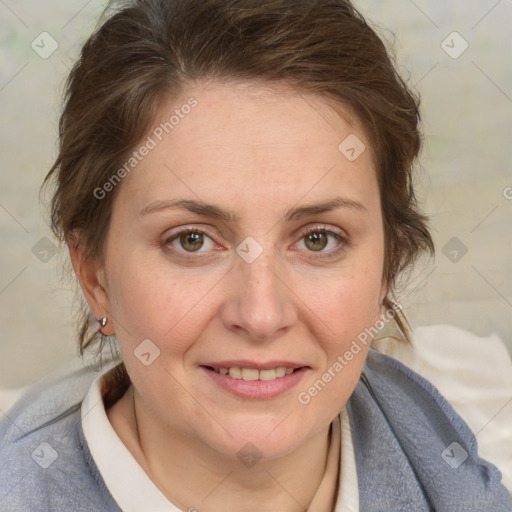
x=260, y=305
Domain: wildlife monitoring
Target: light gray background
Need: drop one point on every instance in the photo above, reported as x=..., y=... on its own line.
x=464, y=175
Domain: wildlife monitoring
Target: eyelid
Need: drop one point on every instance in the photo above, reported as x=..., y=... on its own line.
x=175, y=232
x=323, y=227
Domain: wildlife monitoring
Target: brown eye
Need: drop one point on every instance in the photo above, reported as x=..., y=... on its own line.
x=325, y=242
x=317, y=241
x=191, y=241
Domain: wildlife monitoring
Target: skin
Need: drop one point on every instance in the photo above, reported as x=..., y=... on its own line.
x=258, y=151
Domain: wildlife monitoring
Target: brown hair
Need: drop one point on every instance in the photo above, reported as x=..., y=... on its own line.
x=149, y=50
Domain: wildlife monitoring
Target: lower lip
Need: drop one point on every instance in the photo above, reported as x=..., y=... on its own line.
x=258, y=389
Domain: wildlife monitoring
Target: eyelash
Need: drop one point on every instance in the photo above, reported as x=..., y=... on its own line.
x=343, y=242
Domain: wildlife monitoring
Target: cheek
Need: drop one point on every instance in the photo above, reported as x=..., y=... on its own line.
x=350, y=302
x=349, y=309
x=350, y=323
x=150, y=301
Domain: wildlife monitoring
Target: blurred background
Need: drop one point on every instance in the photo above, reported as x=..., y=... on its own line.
x=455, y=53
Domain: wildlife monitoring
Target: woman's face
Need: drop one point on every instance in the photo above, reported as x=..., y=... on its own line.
x=259, y=283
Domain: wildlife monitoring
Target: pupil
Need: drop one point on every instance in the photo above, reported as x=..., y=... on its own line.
x=191, y=241
x=315, y=238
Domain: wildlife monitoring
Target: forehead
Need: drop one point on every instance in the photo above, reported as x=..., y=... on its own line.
x=262, y=114
x=246, y=140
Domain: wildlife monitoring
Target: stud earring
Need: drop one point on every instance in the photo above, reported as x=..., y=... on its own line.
x=102, y=321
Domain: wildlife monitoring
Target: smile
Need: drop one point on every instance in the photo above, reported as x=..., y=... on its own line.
x=255, y=383
x=254, y=374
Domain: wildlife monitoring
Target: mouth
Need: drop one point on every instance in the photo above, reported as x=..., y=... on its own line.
x=251, y=374
x=255, y=381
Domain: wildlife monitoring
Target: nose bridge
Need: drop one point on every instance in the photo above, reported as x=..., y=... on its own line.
x=260, y=276
x=262, y=305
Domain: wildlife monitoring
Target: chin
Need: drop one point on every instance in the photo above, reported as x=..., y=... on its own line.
x=254, y=438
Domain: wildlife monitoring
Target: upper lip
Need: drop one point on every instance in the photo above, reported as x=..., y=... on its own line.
x=269, y=365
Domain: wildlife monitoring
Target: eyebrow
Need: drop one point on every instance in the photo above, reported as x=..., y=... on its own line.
x=215, y=212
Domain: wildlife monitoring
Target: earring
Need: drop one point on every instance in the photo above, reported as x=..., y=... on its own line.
x=102, y=321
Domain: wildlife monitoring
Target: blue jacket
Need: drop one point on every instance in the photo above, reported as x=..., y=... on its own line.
x=413, y=451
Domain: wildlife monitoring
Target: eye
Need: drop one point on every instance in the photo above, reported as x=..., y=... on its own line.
x=185, y=242
x=318, y=238
x=189, y=240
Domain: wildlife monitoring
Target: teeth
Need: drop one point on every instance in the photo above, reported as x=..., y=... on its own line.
x=250, y=373
x=236, y=373
x=254, y=373
x=280, y=372
x=267, y=374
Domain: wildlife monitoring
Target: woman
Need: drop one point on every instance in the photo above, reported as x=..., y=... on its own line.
x=234, y=187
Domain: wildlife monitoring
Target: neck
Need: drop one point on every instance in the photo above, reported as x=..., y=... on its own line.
x=169, y=458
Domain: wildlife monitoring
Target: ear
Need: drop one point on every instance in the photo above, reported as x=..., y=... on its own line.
x=91, y=276
x=384, y=289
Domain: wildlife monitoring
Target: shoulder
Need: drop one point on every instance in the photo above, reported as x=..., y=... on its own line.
x=43, y=463
x=474, y=374
x=402, y=421
x=408, y=395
